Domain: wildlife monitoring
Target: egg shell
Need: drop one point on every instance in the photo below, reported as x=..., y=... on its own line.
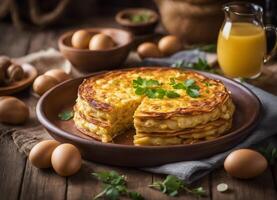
x=148, y=50
x=245, y=163
x=80, y=39
x=43, y=83
x=58, y=74
x=13, y=111
x=66, y=160
x=169, y=44
x=101, y=41
x=40, y=155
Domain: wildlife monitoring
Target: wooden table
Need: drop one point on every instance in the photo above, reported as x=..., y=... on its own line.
x=20, y=180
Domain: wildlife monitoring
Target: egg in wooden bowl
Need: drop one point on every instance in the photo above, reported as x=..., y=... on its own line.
x=95, y=49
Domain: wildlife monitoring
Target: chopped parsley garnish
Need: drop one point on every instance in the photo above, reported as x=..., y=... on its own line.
x=189, y=86
x=173, y=185
x=201, y=65
x=115, y=186
x=152, y=89
x=66, y=115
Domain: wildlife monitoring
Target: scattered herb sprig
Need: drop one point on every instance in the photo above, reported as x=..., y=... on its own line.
x=152, y=89
x=66, y=115
x=115, y=186
x=270, y=153
x=200, y=64
x=189, y=86
x=173, y=185
x=211, y=48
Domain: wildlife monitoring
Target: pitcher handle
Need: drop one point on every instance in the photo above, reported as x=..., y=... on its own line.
x=273, y=50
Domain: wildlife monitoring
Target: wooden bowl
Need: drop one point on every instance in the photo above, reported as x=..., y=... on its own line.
x=143, y=28
x=87, y=60
x=30, y=75
x=122, y=152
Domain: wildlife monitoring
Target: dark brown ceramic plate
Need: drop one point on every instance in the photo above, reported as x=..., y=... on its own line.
x=122, y=152
x=30, y=75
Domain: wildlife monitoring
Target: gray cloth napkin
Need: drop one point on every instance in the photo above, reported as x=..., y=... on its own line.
x=191, y=171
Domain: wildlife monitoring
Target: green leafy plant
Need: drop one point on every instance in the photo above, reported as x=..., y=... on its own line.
x=211, y=48
x=189, y=86
x=115, y=186
x=270, y=153
x=172, y=186
x=66, y=115
x=152, y=89
x=140, y=18
x=200, y=64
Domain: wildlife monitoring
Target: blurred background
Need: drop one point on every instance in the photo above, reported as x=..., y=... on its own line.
x=196, y=20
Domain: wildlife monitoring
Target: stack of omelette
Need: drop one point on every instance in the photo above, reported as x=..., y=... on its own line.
x=107, y=105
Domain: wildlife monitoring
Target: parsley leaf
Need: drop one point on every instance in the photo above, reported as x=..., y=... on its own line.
x=208, y=48
x=189, y=85
x=152, y=89
x=111, y=177
x=270, y=153
x=173, y=185
x=66, y=115
x=200, y=64
x=140, y=91
x=115, y=186
x=140, y=18
x=135, y=196
x=171, y=94
x=193, y=93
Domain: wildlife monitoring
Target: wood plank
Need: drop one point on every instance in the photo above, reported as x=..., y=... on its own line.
x=84, y=186
x=261, y=187
x=42, y=184
x=12, y=168
x=204, y=182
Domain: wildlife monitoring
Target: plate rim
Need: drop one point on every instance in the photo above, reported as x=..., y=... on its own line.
x=64, y=134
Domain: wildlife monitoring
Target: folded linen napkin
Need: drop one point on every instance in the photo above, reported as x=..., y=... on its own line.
x=191, y=171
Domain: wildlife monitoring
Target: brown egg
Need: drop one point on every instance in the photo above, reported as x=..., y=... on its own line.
x=148, y=50
x=15, y=73
x=245, y=163
x=169, y=44
x=101, y=41
x=58, y=74
x=40, y=155
x=66, y=160
x=13, y=111
x=80, y=39
x=43, y=83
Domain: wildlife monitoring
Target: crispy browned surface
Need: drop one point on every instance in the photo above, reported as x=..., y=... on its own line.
x=87, y=91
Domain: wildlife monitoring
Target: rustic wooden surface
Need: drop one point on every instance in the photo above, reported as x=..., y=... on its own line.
x=20, y=180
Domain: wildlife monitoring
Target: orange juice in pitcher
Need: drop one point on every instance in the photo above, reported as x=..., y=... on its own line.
x=241, y=46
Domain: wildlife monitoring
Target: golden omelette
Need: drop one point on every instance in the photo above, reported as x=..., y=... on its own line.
x=167, y=106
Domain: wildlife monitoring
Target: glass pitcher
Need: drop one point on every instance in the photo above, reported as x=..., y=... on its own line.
x=242, y=40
